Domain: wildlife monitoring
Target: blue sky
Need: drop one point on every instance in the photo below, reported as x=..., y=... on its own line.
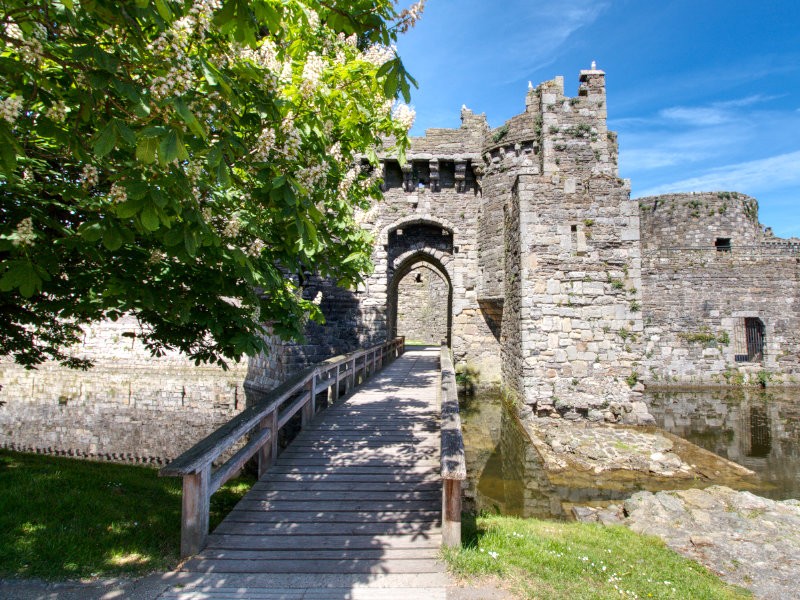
x=705, y=94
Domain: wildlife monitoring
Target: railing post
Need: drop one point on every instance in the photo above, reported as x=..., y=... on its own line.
x=451, y=513
x=269, y=451
x=336, y=386
x=352, y=383
x=310, y=407
x=194, y=511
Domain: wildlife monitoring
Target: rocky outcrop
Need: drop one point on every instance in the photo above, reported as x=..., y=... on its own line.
x=747, y=540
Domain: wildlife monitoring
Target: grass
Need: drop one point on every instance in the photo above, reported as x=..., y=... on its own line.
x=546, y=559
x=63, y=518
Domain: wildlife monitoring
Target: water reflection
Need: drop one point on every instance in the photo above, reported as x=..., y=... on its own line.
x=507, y=474
x=759, y=429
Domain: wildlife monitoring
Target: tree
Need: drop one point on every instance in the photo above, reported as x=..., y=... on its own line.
x=187, y=162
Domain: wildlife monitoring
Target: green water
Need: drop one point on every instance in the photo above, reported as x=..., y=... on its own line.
x=760, y=432
x=759, y=429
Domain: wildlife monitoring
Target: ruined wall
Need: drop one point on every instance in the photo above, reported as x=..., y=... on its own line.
x=423, y=297
x=697, y=292
x=130, y=406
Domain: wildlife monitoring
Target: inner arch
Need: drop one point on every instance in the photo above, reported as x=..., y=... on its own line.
x=420, y=300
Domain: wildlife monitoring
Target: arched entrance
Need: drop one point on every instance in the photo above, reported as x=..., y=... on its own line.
x=420, y=300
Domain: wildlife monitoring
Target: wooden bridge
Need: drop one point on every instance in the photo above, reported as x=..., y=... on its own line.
x=358, y=504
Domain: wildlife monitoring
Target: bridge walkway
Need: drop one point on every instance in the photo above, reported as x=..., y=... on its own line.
x=351, y=509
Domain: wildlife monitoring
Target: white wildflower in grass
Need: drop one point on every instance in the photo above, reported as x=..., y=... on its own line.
x=118, y=194
x=89, y=176
x=24, y=235
x=404, y=115
x=57, y=112
x=493, y=554
x=10, y=108
x=378, y=54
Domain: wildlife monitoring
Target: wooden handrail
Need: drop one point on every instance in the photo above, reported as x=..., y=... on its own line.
x=262, y=422
x=453, y=462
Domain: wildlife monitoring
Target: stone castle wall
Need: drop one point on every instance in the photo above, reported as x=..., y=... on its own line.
x=546, y=276
x=130, y=406
x=697, y=292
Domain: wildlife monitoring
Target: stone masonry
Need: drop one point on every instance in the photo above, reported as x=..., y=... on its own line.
x=521, y=247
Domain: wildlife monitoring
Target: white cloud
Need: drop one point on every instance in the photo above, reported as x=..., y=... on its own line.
x=751, y=177
x=713, y=114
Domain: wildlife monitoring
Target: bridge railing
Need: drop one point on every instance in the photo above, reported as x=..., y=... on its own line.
x=261, y=423
x=453, y=463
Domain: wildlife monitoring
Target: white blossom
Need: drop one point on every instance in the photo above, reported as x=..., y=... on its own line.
x=378, y=54
x=89, y=176
x=313, y=19
x=347, y=182
x=156, y=256
x=409, y=17
x=312, y=72
x=404, y=116
x=255, y=249
x=312, y=175
x=317, y=299
x=10, y=108
x=24, y=235
x=232, y=227
x=57, y=112
x=118, y=194
x=335, y=152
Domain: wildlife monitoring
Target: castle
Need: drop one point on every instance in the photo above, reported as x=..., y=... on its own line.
x=521, y=247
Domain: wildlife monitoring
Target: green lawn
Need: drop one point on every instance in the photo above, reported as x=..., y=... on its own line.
x=67, y=518
x=557, y=560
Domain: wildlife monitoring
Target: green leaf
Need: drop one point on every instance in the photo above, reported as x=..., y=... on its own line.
x=149, y=218
x=171, y=148
x=67, y=4
x=112, y=239
x=21, y=274
x=163, y=10
x=91, y=232
x=8, y=158
x=142, y=3
x=146, y=150
x=188, y=117
x=190, y=242
x=125, y=132
x=107, y=139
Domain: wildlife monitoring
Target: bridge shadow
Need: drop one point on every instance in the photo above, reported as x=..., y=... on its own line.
x=355, y=497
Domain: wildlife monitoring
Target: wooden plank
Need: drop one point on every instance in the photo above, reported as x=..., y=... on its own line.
x=431, y=539
x=339, y=506
x=310, y=477
x=316, y=566
x=327, y=496
x=379, y=485
x=354, y=470
x=299, y=554
x=287, y=413
x=234, y=464
x=344, y=529
x=420, y=517
x=428, y=515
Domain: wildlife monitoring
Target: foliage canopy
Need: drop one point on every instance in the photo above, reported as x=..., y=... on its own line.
x=189, y=162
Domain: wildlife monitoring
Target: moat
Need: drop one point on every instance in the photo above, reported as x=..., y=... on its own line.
x=757, y=429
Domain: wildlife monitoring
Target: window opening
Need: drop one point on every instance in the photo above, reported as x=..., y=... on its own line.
x=749, y=340
x=723, y=244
